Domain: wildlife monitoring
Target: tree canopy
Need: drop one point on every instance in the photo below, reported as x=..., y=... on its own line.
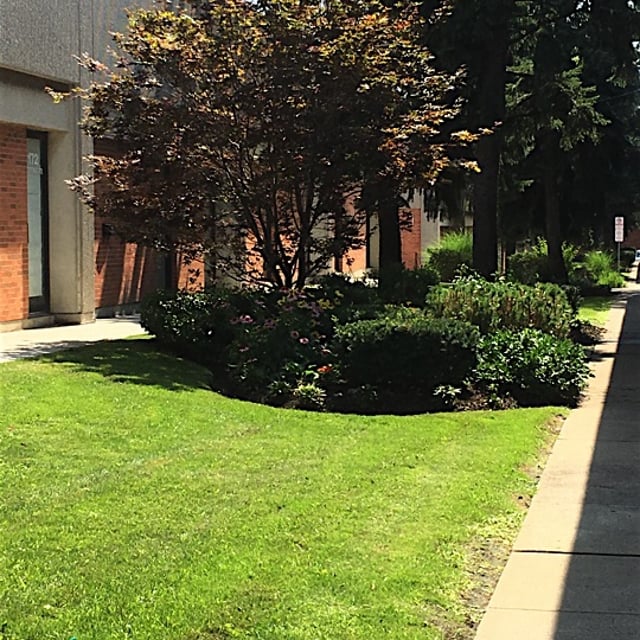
x=262, y=134
x=558, y=82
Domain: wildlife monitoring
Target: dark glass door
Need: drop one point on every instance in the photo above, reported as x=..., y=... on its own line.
x=38, y=221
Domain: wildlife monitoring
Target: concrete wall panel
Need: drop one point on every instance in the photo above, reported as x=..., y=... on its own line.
x=41, y=37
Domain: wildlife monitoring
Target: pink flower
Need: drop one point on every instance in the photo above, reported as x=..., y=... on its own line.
x=295, y=335
x=304, y=340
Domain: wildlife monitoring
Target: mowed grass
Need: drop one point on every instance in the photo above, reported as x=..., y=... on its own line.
x=595, y=309
x=136, y=503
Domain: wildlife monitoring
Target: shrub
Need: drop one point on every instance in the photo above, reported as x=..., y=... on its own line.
x=598, y=264
x=308, y=396
x=627, y=258
x=406, y=351
x=503, y=305
x=398, y=285
x=281, y=345
x=454, y=251
x=260, y=344
x=531, y=366
x=349, y=299
x=531, y=265
x=596, y=273
x=528, y=267
x=196, y=325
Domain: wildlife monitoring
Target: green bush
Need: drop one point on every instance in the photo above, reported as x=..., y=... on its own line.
x=531, y=265
x=454, y=252
x=196, y=325
x=406, y=351
x=598, y=264
x=601, y=269
x=532, y=367
x=528, y=267
x=349, y=299
x=503, y=305
x=398, y=285
x=259, y=344
x=282, y=348
x=627, y=258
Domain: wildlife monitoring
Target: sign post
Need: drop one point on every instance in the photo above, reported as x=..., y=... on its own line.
x=618, y=234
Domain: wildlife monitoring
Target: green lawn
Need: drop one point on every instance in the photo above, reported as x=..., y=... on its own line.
x=595, y=309
x=135, y=503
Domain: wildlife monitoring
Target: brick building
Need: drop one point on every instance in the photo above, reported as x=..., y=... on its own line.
x=57, y=264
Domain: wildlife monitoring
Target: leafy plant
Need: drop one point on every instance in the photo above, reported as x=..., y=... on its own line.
x=308, y=396
x=503, y=305
x=399, y=285
x=454, y=251
x=531, y=265
x=600, y=268
x=196, y=325
x=531, y=366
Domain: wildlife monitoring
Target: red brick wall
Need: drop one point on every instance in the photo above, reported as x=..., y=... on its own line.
x=633, y=239
x=411, y=242
x=124, y=272
x=14, y=266
x=127, y=272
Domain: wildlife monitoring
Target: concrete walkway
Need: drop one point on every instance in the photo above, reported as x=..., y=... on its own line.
x=574, y=572
x=34, y=342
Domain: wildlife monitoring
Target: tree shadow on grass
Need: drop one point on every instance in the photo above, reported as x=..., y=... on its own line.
x=136, y=362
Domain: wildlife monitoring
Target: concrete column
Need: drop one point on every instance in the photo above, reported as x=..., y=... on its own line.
x=71, y=236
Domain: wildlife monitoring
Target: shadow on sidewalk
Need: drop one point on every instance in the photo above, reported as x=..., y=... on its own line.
x=601, y=599
x=36, y=349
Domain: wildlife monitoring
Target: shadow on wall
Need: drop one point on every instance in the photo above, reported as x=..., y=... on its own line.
x=124, y=272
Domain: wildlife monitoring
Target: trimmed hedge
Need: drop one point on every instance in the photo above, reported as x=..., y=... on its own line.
x=195, y=325
x=406, y=351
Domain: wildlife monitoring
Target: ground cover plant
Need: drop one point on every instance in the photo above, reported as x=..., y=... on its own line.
x=136, y=503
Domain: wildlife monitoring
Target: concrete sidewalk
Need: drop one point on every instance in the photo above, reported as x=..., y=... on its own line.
x=574, y=572
x=34, y=342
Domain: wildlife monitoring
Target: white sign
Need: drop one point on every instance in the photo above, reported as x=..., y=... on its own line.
x=619, y=229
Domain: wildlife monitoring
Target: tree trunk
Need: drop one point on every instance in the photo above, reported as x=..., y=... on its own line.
x=389, y=225
x=492, y=79
x=553, y=226
x=485, y=206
